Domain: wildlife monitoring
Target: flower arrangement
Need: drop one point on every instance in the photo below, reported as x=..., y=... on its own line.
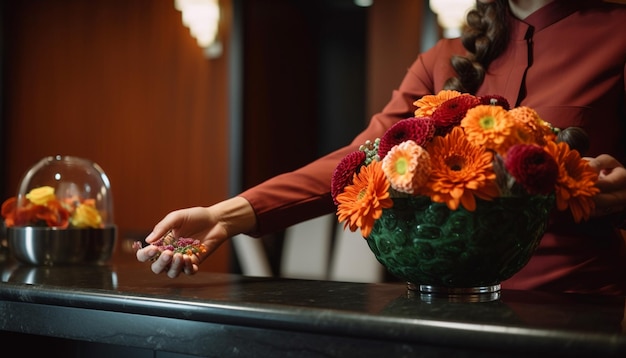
x=41, y=207
x=457, y=149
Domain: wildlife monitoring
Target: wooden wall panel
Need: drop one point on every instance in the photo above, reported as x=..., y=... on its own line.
x=124, y=84
x=395, y=31
x=280, y=88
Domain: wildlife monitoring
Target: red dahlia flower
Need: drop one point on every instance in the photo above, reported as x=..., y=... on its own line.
x=450, y=113
x=344, y=172
x=420, y=130
x=533, y=168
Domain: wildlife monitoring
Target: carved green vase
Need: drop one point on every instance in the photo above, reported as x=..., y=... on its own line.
x=436, y=249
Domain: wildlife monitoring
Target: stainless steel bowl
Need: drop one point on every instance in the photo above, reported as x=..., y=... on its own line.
x=52, y=246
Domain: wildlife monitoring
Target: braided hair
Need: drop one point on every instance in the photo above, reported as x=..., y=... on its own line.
x=485, y=37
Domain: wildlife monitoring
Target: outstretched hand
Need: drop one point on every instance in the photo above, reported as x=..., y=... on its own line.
x=212, y=226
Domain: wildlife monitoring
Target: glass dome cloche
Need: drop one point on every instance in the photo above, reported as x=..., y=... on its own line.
x=62, y=214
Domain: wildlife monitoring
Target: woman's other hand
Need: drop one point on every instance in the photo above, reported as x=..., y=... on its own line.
x=612, y=185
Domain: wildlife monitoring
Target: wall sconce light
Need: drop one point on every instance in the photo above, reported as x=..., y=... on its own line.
x=202, y=18
x=451, y=15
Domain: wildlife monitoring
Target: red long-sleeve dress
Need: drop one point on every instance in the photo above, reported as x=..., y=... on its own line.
x=566, y=61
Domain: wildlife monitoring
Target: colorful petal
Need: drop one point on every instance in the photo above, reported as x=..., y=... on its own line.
x=362, y=202
x=429, y=103
x=407, y=167
x=575, y=186
x=344, y=172
x=459, y=170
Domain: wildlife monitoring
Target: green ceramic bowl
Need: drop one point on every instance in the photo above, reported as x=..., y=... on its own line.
x=433, y=247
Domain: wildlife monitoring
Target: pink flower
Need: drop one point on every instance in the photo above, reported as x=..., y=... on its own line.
x=407, y=167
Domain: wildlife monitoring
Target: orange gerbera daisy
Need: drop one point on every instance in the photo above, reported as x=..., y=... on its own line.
x=407, y=167
x=575, y=186
x=490, y=126
x=363, y=202
x=429, y=103
x=460, y=172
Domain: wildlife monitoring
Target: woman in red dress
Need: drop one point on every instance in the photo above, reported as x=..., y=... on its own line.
x=565, y=59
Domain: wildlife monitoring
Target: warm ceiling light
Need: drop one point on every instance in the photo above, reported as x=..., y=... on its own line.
x=451, y=15
x=364, y=3
x=202, y=18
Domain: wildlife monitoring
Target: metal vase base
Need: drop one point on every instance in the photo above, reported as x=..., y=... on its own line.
x=430, y=293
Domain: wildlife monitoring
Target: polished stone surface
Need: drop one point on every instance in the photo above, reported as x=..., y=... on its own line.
x=124, y=303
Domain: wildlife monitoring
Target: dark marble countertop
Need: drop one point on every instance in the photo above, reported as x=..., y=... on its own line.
x=124, y=303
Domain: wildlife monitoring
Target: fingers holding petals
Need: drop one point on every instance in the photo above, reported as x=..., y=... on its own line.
x=162, y=263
